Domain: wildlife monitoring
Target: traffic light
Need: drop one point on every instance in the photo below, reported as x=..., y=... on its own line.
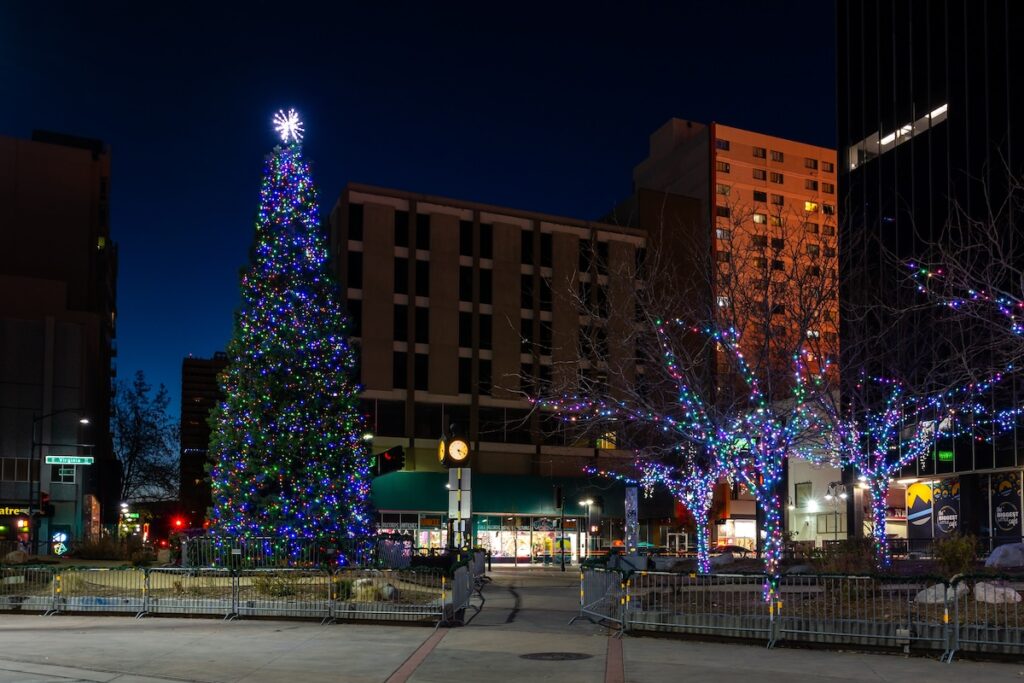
x=46, y=508
x=178, y=523
x=559, y=500
x=391, y=460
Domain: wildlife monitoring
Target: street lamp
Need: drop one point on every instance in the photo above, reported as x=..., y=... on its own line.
x=36, y=471
x=836, y=494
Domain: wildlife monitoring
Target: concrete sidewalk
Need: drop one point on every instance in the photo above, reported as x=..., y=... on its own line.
x=525, y=613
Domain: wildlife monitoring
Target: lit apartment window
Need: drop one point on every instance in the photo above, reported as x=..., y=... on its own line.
x=811, y=207
x=760, y=174
x=775, y=221
x=722, y=144
x=722, y=166
x=828, y=167
x=778, y=199
x=777, y=155
x=828, y=188
x=811, y=185
x=760, y=218
x=811, y=164
x=760, y=196
x=828, y=209
x=722, y=211
x=722, y=189
x=723, y=234
x=776, y=177
x=760, y=152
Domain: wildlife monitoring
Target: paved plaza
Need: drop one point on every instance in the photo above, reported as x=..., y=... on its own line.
x=527, y=612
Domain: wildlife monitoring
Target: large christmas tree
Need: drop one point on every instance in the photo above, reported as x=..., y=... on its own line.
x=287, y=458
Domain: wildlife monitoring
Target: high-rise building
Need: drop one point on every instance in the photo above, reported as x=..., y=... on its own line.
x=928, y=125
x=58, y=273
x=459, y=310
x=200, y=393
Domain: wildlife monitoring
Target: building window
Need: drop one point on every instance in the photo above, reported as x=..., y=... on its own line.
x=526, y=335
x=777, y=156
x=465, y=238
x=813, y=250
x=602, y=257
x=545, y=250
x=722, y=166
x=423, y=231
x=526, y=246
x=401, y=275
x=354, y=309
x=400, y=322
x=760, y=218
x=423, y=278
x=62, y=474
x=722, y=211
x=723, y=234
x=777, y=264
x=545, y=294
x=722, y=144
x=760, y=174
x=759, y=241
x=484, y=369
x=760, y=152
x=811, y=164
x=775, y=220
x=486, y=240
x=465, y=375
x=828, y=209
x=465, y=283
x=830, y=251
x=761, y=262
x=778, y=199
x=400, y=370
x=828, y=188
x=14, y=469
x=465, y=330
x=722, y=256
x=811, y=207
x=545, y=336
x=828, y=230
x=421, y=371
x=355, y=222
x=486, y=288
x=354, y=276
x=526, y=291
x=811, y=185
x=401, y=228
x=422, y=326
x=722, y=189
x=760, y=196
x=811, y=228
x=776, y=177
x=778, y=243
x=828, y=167
x=486, y=330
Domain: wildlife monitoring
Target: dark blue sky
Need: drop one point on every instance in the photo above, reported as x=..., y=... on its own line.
x=536, y=106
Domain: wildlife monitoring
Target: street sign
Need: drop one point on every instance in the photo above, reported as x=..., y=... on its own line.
x=69, y=460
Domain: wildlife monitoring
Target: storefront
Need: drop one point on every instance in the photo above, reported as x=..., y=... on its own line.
x=14, y=523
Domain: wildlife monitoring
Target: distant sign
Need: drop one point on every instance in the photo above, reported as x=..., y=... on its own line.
x=946, y=456
x=69, y=460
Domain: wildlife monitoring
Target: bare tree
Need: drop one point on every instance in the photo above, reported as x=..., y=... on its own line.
x=144, y=441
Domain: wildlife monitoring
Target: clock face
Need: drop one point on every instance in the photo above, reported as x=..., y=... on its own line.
x=441, y=448
x=458, y=450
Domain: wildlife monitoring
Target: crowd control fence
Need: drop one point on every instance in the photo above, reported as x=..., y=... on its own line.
x=414, y=595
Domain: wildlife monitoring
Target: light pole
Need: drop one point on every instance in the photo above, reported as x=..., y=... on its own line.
x=36, y=471
x=835, y=494
x=588, y=502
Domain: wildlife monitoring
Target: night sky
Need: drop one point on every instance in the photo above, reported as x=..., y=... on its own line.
x=545, y=107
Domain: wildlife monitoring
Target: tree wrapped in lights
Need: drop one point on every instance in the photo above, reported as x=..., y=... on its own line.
x=287, y=459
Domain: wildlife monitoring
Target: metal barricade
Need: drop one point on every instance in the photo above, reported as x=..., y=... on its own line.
x=730, y=605
x=27, y=589
x=101, y=589
x=392, y=595
x=284, y=593
x=602, y=596
x=865, y=610
x=988, y=614
x=192, y=591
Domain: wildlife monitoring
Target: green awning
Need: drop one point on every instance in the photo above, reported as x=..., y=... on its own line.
x=500, y=494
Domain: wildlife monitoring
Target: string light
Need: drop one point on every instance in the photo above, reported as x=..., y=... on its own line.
x=288, y=463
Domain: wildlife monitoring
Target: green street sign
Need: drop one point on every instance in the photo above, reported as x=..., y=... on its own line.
x=945, y=456
x=69, y=460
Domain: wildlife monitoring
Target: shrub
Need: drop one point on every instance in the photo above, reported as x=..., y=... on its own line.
x=851, y=556
x=106, y=548
x=955, y=554
x=275, y=585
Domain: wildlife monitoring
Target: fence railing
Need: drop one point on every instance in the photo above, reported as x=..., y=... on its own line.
x=341, y=594
x=977, y=613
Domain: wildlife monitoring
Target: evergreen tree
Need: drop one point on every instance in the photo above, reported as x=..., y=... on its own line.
x=287, y=458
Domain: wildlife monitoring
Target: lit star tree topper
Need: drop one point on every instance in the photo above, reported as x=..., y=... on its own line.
x=288, y=126
x=287, y=459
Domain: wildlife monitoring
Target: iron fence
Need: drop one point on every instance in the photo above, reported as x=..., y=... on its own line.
x=384, y=551
x=193, y=592
x=393, y=595
x=988, y=614
x=27, y=589
x=101, y=589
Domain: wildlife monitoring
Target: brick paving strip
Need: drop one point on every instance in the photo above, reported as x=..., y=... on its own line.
x=409, y=666
x=614, y=666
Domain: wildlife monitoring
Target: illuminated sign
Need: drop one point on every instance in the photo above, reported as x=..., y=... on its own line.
x=6, y=511
x=69, y=460
x=946, y=456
